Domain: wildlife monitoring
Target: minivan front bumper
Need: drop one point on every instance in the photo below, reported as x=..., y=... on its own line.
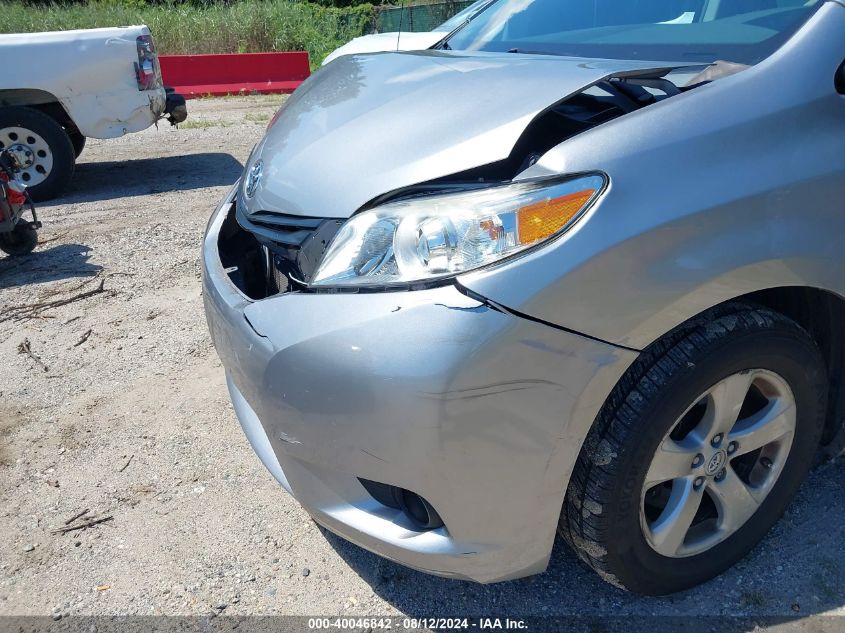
x=481, y=412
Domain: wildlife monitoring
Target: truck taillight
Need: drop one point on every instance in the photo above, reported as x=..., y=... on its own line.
x=147, y=70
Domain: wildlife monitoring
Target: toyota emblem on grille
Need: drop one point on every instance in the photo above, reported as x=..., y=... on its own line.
x=253, y=178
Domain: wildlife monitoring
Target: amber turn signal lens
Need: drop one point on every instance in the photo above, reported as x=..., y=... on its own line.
x=543, y=219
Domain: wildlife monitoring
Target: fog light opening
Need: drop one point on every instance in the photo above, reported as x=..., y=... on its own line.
x=417, y=509
x=420, y=511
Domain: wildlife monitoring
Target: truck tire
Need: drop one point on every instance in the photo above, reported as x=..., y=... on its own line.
x=78, y=142
x=20, y=241
x=42, y=146
x=698, y=450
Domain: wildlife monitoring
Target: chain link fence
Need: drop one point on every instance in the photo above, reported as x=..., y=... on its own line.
x=423, y=17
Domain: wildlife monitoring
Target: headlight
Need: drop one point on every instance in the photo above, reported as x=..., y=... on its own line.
x=432, y=237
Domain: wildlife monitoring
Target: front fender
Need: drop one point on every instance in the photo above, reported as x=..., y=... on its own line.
x=727, y=189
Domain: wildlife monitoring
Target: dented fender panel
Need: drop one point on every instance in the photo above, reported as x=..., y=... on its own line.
x=114, y=114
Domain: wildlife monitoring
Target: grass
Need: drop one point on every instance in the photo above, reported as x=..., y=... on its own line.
x=257, y=117
x=200, y=124
x=753, y=598
x=245, y=26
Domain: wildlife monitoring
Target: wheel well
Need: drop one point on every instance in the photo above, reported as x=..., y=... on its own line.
x=822, y=314
x=38, y=100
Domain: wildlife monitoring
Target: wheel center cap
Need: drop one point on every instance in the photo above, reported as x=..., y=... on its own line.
x=716, y=463
x=23, y=155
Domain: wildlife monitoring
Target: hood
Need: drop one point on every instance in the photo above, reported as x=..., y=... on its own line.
x=366, y=125
x=384, y=42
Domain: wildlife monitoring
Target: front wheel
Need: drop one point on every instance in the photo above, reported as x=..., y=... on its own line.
x=20, y=241
x=698, y=451
x=41, y=147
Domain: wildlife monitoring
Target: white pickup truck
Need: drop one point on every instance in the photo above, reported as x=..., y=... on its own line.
x=58, y=88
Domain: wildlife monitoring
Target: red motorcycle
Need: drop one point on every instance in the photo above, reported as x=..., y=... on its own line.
x=17, y=236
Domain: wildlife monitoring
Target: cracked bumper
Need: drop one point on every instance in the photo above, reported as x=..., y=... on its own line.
x=480, y=412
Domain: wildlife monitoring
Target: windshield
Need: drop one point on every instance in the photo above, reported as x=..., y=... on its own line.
x=743, y=31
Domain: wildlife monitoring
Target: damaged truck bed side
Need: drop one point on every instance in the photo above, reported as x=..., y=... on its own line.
x=60, y=88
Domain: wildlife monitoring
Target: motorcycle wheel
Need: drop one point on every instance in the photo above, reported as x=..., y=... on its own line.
x=20, y=241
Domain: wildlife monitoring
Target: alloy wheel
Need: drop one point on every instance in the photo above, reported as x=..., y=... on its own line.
x=718, y=463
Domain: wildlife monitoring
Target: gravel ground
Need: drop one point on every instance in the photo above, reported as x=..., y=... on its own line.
x=125, y=413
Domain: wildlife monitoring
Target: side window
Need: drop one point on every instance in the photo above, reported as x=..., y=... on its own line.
x=840, y=79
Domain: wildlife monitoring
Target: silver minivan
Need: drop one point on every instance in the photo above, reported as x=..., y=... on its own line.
x=577, y=270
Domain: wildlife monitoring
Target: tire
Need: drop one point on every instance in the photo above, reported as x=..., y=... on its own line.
x=20, y=241
x=50, y=150
x=607, y=517
x=78, y=142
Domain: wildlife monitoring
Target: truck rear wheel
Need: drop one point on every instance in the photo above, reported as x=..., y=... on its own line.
x=42, y=147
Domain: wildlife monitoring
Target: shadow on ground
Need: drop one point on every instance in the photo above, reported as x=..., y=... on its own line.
x=64, y=261
x=798, y=571
x=144, y=176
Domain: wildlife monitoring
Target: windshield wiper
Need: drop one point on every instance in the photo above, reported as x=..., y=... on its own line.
x=444, y=43
x=525, y=51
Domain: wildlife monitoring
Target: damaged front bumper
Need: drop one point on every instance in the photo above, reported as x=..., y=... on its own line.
x=480, y=412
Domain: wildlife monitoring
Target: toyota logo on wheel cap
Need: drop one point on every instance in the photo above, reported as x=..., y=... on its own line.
x=716, y=463
x=253, y=178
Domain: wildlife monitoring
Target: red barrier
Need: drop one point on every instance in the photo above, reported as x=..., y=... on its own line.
x=265, y=73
